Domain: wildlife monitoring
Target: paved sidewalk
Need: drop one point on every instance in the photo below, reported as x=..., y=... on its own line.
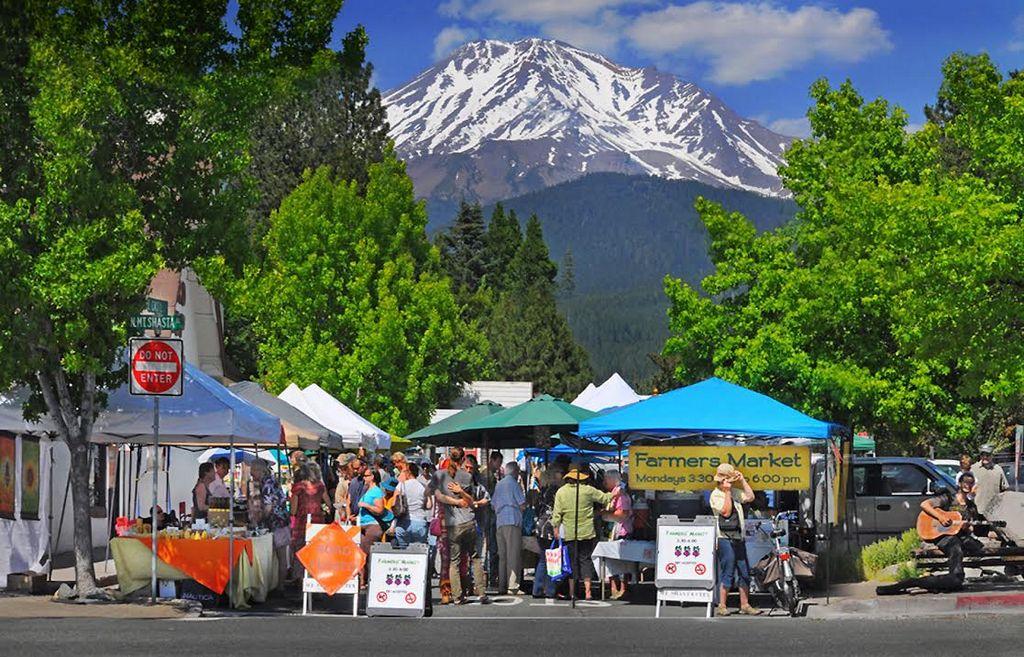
x=859, y=600
x=36, y=606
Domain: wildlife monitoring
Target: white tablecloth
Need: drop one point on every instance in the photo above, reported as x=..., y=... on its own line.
x=624, y=557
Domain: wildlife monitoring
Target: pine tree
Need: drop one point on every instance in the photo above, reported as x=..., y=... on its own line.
x=568, y=282
x=462, y=250
x=530, y=338
x=327, y=115
x=532, y=263
x=503, y=239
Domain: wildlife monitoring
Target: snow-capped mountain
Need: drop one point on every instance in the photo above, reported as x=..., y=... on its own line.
x=497, y=119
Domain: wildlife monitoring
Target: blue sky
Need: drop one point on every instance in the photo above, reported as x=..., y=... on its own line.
x=759, y=57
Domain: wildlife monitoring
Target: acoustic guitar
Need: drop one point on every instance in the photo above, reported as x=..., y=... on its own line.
x=929, y=528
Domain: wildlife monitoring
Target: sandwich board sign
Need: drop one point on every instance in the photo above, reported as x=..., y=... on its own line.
x=337, y=552
x=398, y=581
x=685, y=561
x=157, y=367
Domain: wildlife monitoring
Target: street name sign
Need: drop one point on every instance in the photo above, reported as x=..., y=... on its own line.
x=157, y=322
x=157, y=366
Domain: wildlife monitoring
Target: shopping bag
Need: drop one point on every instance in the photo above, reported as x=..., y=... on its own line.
x=553, y=558
x=566, y=564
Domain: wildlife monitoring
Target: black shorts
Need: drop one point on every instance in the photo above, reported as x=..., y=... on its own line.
x=586, y=564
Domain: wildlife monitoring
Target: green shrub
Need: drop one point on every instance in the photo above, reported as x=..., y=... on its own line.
x=889, y=552
x=907, y=570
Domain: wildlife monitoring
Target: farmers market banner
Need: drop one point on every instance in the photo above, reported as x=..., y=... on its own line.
x=779, y=467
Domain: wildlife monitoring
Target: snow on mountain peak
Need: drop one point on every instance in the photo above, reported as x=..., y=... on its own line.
x=497, y=118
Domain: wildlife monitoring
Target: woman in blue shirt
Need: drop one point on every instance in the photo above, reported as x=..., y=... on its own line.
x=374, y=518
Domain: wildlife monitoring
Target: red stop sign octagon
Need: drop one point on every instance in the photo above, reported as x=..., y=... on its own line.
x=156, y=366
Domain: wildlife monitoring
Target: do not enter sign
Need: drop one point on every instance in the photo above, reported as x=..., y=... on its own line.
x=157, y=366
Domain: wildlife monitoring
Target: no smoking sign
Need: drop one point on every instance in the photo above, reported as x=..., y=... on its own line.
x=157, y=366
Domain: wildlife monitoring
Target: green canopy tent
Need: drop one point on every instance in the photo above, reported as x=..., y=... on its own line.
x=530, y=424
x=444, y=433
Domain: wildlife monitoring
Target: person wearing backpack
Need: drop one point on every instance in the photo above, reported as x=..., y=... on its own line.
x=410, y=514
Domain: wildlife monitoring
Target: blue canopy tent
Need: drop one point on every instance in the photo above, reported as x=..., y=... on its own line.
x=586, y=455
x=710, y=408
x=716, y=412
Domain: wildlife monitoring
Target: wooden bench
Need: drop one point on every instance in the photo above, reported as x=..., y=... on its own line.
x=931, y=558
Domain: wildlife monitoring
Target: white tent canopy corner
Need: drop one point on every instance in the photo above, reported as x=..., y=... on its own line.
x=613, y=393
x=355, y=430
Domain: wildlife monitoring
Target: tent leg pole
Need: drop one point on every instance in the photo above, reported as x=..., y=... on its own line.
x=231, y=528
x=49, y=521
x=828, y=530
x=156, y=494
x=576, y=553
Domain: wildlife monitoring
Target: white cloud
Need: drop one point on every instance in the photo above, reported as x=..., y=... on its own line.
x=743, y=43
x=795, y=127
x=600, y=36
x=531, y=11
x=451, y=37
x=1016, y=44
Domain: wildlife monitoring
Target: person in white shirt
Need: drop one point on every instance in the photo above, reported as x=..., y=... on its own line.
x=990, y=480
x=217, y=488
x=411, y=526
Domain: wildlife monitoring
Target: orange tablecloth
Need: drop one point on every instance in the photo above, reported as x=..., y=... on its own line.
x=205, y=561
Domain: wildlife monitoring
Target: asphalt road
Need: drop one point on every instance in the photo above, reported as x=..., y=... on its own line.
x=596, y=636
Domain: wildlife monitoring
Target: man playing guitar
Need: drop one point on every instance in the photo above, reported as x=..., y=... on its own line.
x=954, y=546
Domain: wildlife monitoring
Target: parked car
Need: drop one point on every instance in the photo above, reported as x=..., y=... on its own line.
x=950, y=467
x=885, y=494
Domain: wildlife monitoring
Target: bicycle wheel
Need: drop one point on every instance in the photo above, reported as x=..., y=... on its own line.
x=793, y=595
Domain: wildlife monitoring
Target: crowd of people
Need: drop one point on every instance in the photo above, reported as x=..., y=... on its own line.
x=476, y=519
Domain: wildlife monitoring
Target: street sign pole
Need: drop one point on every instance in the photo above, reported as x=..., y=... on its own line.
x=156, y=479
x=156, y=368
x=1018, y=438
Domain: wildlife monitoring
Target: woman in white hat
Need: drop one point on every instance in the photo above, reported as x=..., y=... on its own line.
x=727, y=503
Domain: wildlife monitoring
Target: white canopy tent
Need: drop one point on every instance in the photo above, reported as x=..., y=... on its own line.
x=355, y=430
x=612, y=393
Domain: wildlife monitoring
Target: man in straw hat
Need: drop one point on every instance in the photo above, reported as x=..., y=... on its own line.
x=727, y=503
x=573, y=519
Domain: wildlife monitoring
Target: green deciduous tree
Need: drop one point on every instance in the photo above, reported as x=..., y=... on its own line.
x=128, y=124
x=351, y=296
x=888, y=304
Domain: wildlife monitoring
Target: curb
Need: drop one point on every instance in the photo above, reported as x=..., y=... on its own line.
x=987, y=601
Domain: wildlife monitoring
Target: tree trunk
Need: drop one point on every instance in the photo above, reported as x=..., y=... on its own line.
x=85, y=573
x=74, y=420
